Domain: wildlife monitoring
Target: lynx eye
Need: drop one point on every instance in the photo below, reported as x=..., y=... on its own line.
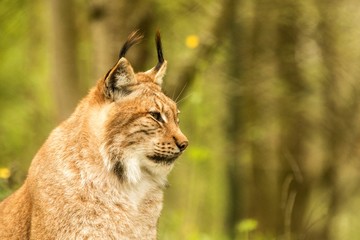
x=157, y=116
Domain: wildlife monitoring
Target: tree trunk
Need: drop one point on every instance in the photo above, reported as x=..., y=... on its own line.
x=112, y=22
x=64, y=75
x=293, y=117
x=238, y=199
x=258, y=114
x=339, y=117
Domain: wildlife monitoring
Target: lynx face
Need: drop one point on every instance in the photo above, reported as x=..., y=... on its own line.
x=141, y=132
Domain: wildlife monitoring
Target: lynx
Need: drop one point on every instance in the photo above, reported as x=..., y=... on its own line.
x=102, y=172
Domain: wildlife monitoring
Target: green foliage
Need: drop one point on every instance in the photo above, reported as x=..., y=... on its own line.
x=199, y=154
x=23, y=106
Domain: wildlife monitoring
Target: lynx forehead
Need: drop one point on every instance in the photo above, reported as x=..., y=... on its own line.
x=101, y=173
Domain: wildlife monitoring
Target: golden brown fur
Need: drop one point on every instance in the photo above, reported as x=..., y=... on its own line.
x=101, y=173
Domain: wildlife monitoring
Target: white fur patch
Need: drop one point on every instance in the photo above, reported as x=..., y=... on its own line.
x=133, y=170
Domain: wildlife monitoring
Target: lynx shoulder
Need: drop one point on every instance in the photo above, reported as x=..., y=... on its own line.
x=101, y=173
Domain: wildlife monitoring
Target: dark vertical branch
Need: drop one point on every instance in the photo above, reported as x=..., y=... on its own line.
x=237, y=201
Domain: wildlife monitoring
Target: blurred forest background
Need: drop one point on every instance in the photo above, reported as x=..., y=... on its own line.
x=269, y=93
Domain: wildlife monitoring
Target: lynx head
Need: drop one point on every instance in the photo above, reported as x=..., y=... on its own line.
x=141, y=134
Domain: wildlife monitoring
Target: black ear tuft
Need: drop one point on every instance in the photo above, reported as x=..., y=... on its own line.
x=159, y=51
x=134, y=38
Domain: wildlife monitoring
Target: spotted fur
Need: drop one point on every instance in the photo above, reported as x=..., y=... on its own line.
x=101, y=173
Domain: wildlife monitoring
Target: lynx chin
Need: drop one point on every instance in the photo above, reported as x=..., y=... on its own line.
x=101, y=173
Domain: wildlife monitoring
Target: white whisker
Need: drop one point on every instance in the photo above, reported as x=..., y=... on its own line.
x=182, y=99
x=176, y=100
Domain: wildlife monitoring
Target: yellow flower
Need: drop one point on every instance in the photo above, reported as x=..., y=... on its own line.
x=192, y=41
x=5, y=173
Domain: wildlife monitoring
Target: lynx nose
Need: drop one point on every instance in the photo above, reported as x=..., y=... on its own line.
x=181, y=140
x=182, y=146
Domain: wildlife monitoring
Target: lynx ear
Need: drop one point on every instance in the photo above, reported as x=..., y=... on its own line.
x=122, y=74
x=118, y=79
x=158, y=72
x=161, y=73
